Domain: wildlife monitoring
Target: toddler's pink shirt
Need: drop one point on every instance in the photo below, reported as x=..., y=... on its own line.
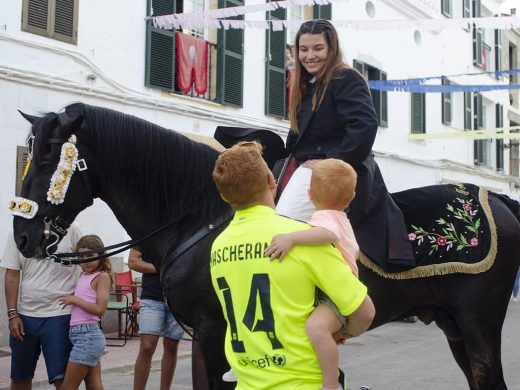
x=338, y=223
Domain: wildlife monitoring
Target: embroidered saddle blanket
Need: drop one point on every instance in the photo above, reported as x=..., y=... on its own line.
x=451, y=230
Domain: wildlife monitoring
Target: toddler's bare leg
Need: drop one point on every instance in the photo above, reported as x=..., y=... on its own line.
x=320, y=326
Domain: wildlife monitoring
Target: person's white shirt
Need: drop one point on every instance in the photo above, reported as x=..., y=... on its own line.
x=42, y=282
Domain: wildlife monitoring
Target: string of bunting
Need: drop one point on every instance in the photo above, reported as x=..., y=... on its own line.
x=496, y=133
x=211, y=19
x=416, y=84
x=422, y=88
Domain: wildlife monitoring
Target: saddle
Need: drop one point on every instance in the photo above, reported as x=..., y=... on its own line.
x=451, y=229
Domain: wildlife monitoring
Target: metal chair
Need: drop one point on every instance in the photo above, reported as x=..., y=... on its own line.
x=126, y=302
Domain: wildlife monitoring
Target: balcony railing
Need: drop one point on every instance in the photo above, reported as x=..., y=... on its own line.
x=211, y=93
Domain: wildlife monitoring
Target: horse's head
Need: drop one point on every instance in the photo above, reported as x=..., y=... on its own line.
x=55, y=186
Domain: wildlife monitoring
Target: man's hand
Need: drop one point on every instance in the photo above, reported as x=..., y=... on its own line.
x=16, y=328
x=280, y=245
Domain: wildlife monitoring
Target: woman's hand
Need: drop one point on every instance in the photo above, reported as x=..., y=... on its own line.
x=66, y=300
x=280, y=245
x=310, y=163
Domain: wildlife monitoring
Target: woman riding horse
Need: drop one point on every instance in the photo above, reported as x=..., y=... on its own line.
x=152, y=177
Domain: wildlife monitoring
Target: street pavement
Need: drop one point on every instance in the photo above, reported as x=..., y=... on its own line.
x=396, y=356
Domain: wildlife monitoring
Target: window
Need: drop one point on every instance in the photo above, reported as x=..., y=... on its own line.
x=193, y=6
x=296, y=12
x=498, y=51
x=379, y=98
x=22, y=155
x=446, y=8
x=466, y=8
x=467, y=111
x=418, y=110
x=499, y=115
x=56, y=19
x=446, y=104
x=161, y=50
x=479, y=55
x=322, y=11
x=478, y=37
x=275, y=54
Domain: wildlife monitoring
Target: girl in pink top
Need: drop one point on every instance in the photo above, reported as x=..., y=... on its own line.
x=89, y=303
x=332, y=188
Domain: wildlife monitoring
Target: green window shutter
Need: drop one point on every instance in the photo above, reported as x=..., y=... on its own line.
x=322, y=11
x=467, y=111
x=479, y=149
x=275, y=93
x=383, y=118
x=446, y=8
x=418, y=113
x=466, y=9
x=446, y=104
x=498, y=51
x=476, y=8
x=22, y=155
x=230, y=46
x=499, y=114
x=358, y=66
x=477, y=34
x=160, y=48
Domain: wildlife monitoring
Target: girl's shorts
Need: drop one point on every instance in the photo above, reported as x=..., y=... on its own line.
x=323, y=299
x=88, y=344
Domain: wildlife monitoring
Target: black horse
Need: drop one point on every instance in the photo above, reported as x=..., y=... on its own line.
x=150, y=177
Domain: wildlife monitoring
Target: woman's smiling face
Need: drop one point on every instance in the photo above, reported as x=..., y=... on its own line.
x=313, y=52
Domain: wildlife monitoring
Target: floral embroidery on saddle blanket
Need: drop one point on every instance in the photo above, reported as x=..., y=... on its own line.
x=451, y=230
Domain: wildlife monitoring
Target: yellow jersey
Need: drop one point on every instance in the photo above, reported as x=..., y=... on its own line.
x=266, y=303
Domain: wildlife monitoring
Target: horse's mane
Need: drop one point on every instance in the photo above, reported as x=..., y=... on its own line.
x=171, y=172
x=167, y=171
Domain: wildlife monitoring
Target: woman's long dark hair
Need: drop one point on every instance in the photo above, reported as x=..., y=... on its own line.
x=333, y=63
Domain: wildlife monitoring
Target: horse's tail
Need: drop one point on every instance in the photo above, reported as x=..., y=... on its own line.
x=511, y=204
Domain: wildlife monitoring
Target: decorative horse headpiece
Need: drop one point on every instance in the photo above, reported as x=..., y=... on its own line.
x=60, y=179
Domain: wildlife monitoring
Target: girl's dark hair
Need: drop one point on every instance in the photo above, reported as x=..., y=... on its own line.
x=92, y=241
x=333, y=63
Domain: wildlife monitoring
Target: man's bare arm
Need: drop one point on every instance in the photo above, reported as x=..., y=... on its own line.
x=136, y=263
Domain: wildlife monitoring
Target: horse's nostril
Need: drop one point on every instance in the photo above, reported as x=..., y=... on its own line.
x=21, y=241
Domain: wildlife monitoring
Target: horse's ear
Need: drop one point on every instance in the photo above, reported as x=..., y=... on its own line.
x=70, y=121
x=30, y=118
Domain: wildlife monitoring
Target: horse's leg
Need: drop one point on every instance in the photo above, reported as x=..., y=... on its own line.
x=199, y=376
x=459, y=353
x=210, y=335
x=453, y=334
x=482, y=341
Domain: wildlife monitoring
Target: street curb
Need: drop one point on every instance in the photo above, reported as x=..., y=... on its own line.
x=128, y=368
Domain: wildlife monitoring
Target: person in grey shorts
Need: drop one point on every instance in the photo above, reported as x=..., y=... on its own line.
x=155, y=320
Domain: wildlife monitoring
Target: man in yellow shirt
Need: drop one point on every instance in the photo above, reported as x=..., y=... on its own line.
x=266, y=303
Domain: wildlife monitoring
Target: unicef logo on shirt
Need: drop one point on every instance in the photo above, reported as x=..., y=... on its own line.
x=279, y=360
x=265, y=361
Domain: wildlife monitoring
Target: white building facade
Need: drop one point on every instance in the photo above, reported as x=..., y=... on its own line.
x=56, y=52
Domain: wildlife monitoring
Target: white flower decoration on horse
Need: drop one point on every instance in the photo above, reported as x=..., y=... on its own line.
x=22, y=207
x=60, y=179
